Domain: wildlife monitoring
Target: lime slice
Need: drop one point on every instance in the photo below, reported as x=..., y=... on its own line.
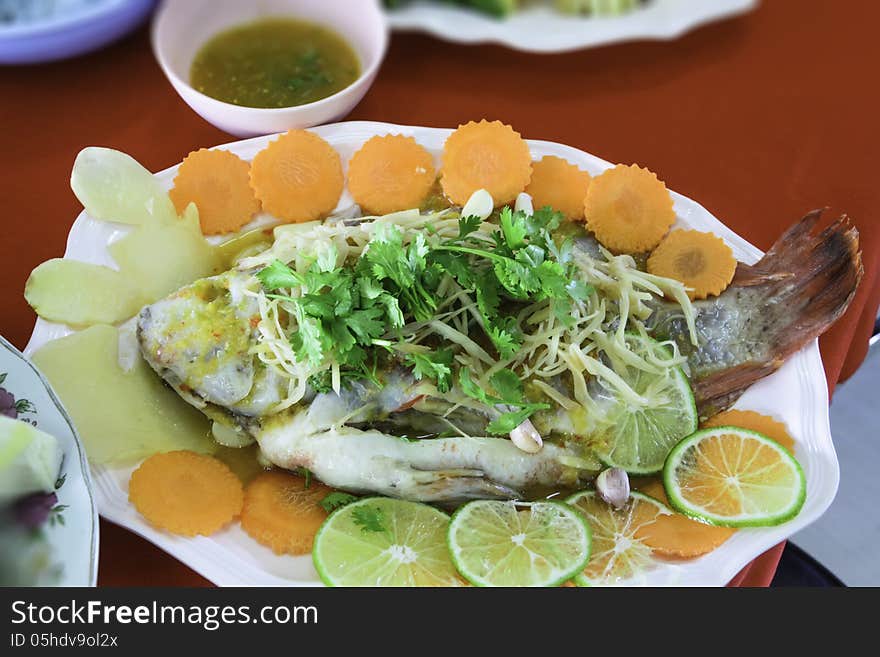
x=528, y=544
x=619, y=553
x=639, y=438
x=734, y=478
x=378, y=541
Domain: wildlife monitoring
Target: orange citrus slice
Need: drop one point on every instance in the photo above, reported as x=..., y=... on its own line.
x=218, y=182
x=734, y=477
x=185, y=493
x=618, y=552
x=678, y=536
x=484, y=155
x=763, y=424
x=559, y=184
x=702, y=261
x=390, y=173
x=298, y=177
x=628, y=209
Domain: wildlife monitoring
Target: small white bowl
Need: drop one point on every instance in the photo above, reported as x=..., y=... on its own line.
x=181, y=27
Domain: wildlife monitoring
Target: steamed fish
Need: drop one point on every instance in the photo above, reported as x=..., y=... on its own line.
x=434, y=357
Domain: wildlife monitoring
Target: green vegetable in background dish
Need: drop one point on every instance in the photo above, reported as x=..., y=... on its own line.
x=30, y=460
x=503, y=8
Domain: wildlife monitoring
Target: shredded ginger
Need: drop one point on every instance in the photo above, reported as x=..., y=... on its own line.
x=593, y=346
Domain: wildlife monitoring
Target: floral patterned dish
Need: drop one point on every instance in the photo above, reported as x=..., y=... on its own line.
x=72, y=526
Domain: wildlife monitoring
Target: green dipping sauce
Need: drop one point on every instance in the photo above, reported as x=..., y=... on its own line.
x=275, y=62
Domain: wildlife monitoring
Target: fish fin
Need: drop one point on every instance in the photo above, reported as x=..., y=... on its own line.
x=459, y=484
x=814, y=276
x=720, y=391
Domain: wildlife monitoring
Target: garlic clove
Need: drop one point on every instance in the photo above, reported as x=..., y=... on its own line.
x=527, y=438
x=480, y=204
x=613, y=486
x=524, y=204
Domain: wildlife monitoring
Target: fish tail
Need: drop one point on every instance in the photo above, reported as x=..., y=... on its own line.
x=814, y=276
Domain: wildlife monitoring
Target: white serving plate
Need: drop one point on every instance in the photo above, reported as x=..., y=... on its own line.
x=796, y=394
x=541, y=29
x=73, y=544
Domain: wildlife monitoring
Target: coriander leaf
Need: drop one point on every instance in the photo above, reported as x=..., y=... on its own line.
x=369, y=519
x=388, y=257
x=456, y=265
x=579, y=290
x=308, y=341
x=436, y=366
x=553, y=280
x=318, y=305
x=341, y=293
x=370, y=288
x=563, y=253
x=545, y=218
x=392, y=310
x=488, y=298
x=343, y=340
x=517, y=277
x=354, y=358
x=507, y=385
x=278, y=275
x=562, y=312
x=471, y=389
x=514, y=228
x=416, y=252
x=505, y=335
x=336, y=500
x=365, y=324
x=507, y=422
x=468, y=225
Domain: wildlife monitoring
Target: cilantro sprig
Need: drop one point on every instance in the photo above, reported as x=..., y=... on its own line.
x=523, y=263
x=340, y=313
x=436, y=366
x=370, y=519
x=509, y=398
x=350, y=312
x=336, y=500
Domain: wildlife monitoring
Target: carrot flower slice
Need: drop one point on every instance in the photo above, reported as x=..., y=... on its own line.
x=185, y=493
x=218, y=182
x=628, y=209
x=559, y=184
x=763, y=424
x=702, y=261
x=281, y=513
x=298, y=177
x=390, y=173
x=484, y=155
x=677, y=536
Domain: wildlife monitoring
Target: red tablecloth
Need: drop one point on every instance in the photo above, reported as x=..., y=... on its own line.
x=761, y=118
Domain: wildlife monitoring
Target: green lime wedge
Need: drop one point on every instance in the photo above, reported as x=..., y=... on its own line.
x=619, y=551
x=379, y=541
x=511, y=544
x=638, y=438
x=734, y=477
